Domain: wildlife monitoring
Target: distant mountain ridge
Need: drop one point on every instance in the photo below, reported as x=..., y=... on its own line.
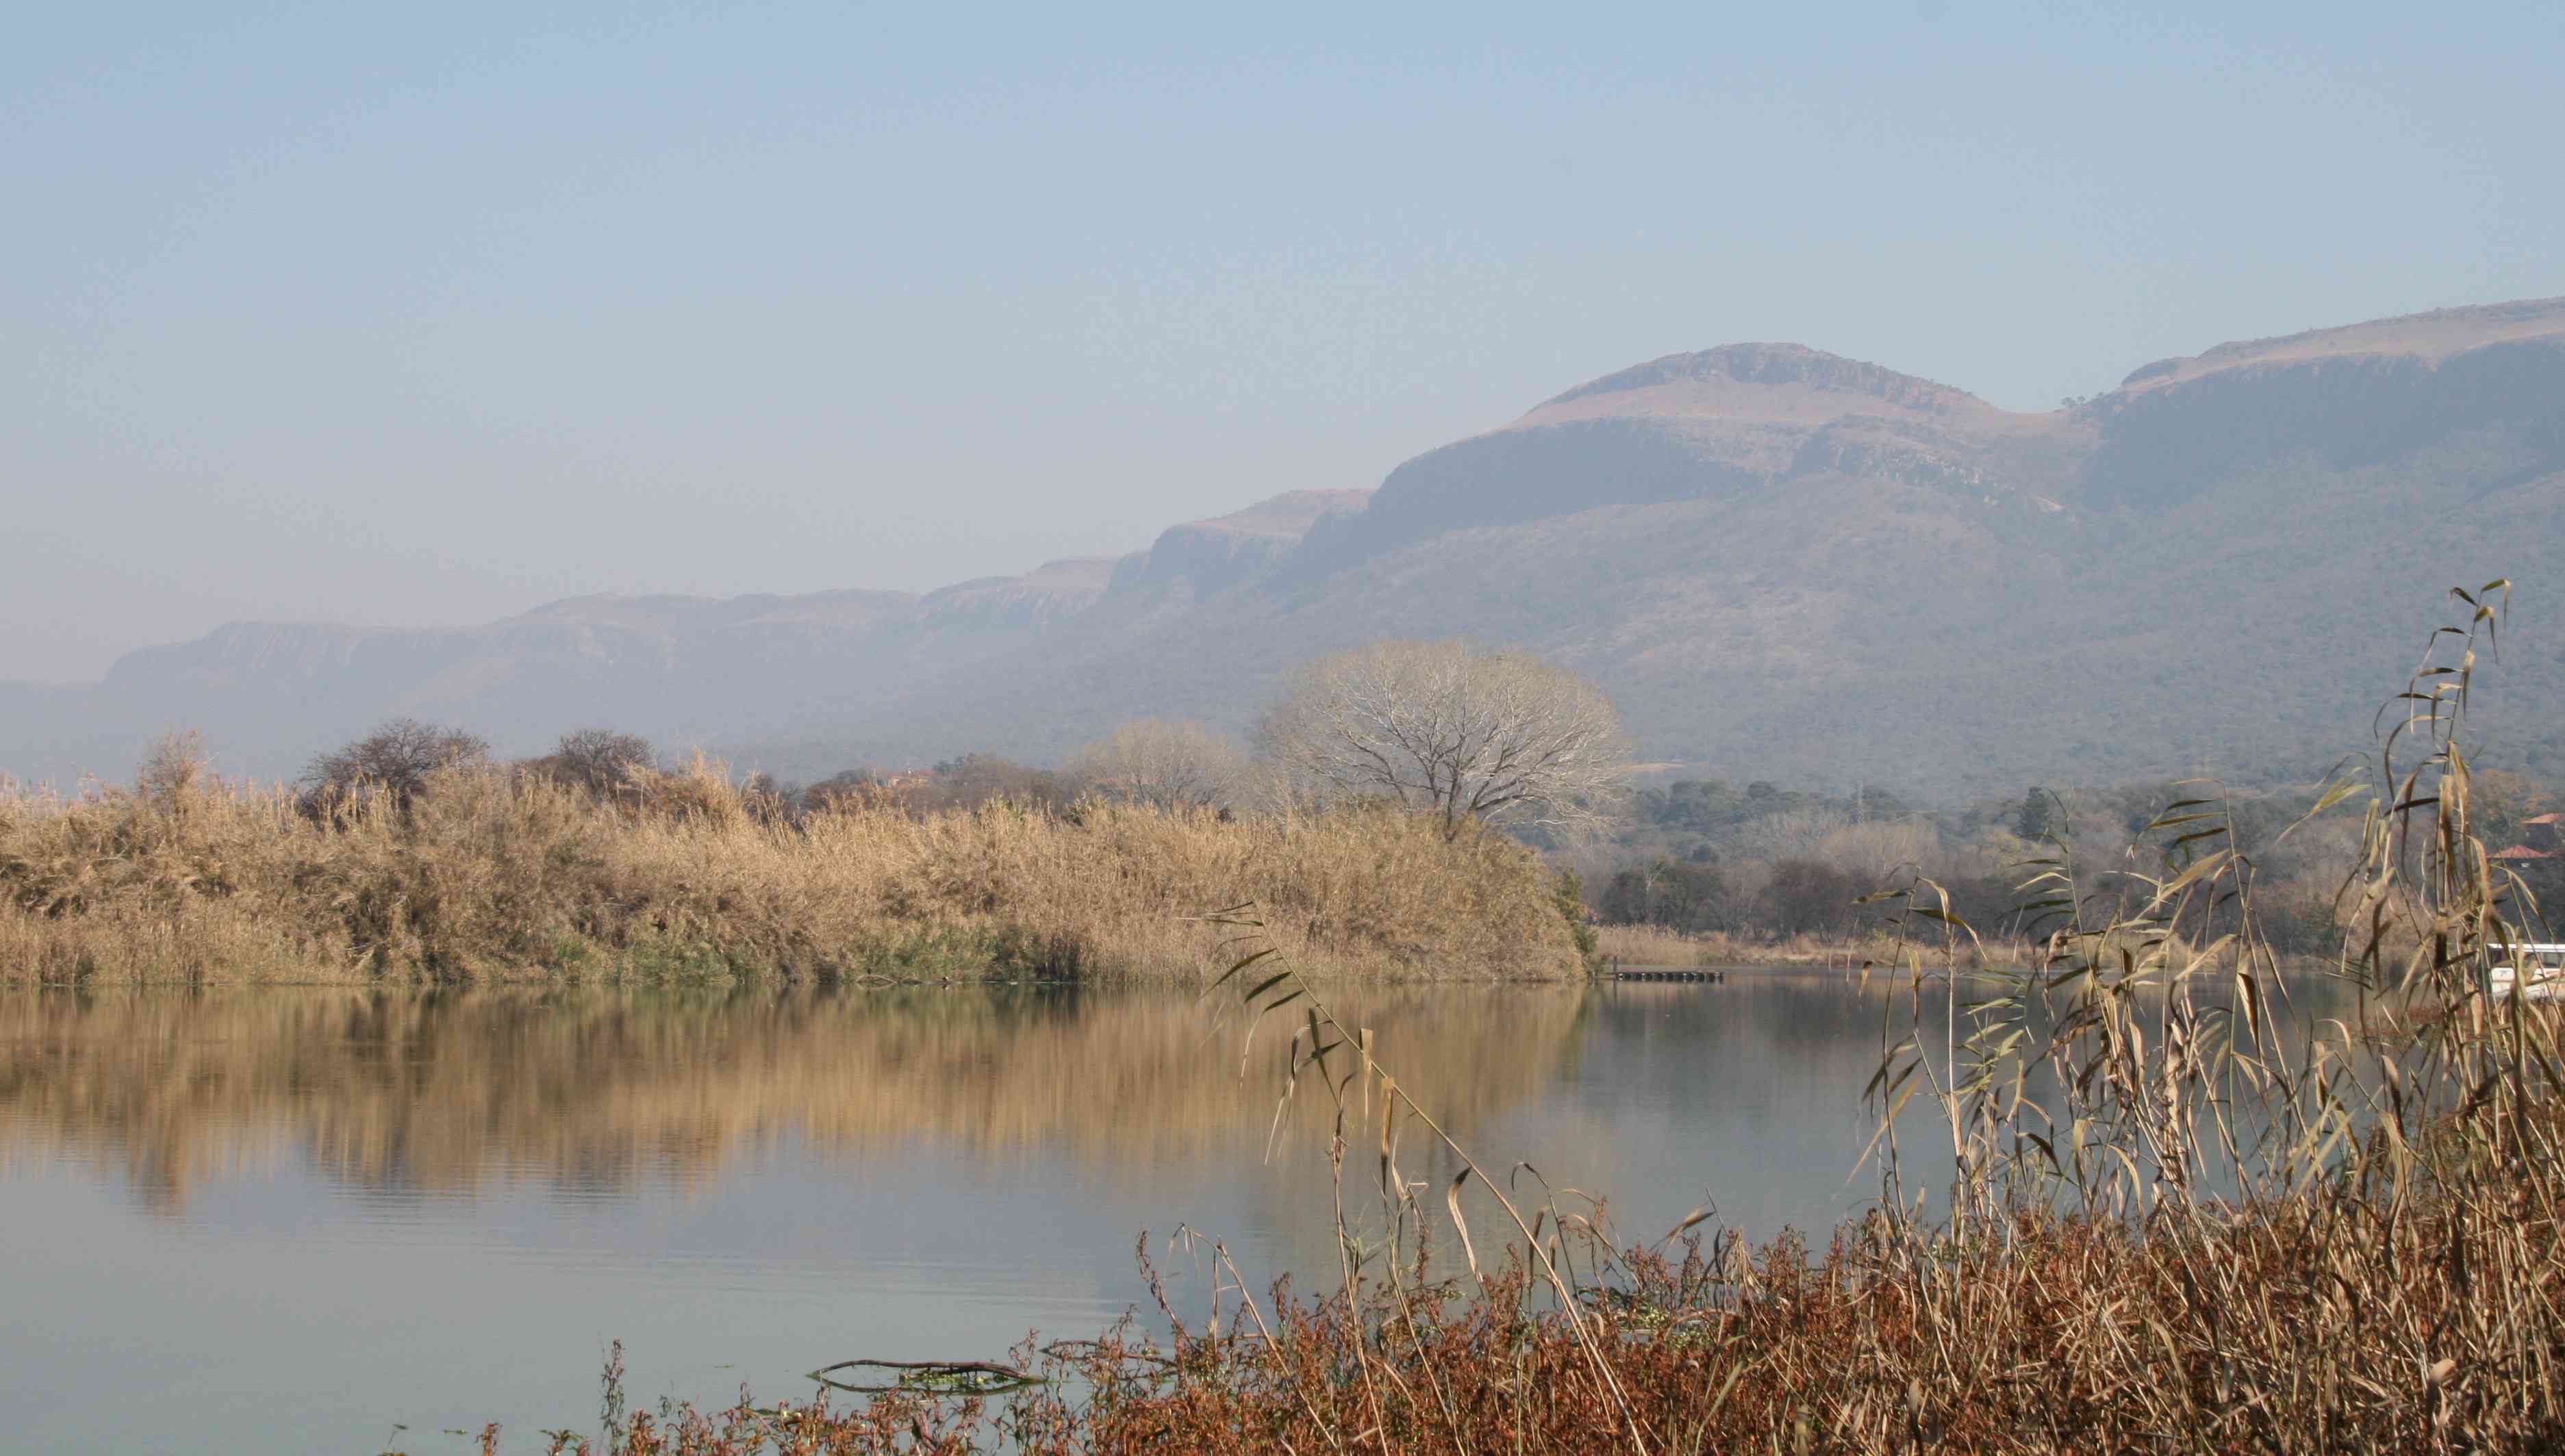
x=1784, y=563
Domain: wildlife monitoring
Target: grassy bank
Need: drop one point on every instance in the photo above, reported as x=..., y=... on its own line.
x=489, y=875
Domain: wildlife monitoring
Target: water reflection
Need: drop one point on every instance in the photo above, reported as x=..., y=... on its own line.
x=235, y=1212
x=436, y=1092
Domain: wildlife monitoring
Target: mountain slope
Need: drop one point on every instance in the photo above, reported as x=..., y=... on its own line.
x=1783, y=563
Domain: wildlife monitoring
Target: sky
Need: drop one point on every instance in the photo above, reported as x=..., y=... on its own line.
x=429, y=314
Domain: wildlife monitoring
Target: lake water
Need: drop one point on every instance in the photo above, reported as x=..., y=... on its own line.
x=351, y=1221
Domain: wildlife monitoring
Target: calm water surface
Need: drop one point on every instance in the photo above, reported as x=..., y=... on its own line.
x=347, y=1221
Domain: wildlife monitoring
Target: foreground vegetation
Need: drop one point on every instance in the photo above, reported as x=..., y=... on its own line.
x=2170, y=1223
x=477, y=872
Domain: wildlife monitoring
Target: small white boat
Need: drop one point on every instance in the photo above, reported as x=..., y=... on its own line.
x=2545, y=967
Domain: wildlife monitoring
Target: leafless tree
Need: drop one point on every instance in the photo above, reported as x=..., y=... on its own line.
x=1791, y=834
x=1456, y=731
x=600, y=760
x=1170, y=764
x=396, y=758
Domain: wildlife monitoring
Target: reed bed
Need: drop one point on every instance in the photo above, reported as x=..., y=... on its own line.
x=489, y=875
x=2173, y=1221
x=2271, y=1331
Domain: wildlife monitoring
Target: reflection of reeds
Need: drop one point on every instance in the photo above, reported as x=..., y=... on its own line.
x=1650, y=946
x=437, y=1091
x=492, y=876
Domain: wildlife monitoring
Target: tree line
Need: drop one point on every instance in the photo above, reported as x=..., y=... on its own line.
x=1465, y=734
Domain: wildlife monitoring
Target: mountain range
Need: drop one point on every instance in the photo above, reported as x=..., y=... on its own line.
x=1784, y=565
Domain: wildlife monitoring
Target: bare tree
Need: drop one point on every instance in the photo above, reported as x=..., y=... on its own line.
x=1170, y=764
x=1456, y=731
x=1791, y=834
x=396, y=758
x=176, y=770
x=600, y=760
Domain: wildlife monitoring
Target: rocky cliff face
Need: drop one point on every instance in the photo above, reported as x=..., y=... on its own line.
x=2182, y=426
x=1212, y=555
x=1726, y=423
x=1782, y=562
x=1048, y=594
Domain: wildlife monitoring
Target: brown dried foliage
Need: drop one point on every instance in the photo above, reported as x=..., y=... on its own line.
x=2171, y=1224
x=482, y=873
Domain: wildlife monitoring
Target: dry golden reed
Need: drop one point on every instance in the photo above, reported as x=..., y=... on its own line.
x=2173, y=1222
x=494, y=875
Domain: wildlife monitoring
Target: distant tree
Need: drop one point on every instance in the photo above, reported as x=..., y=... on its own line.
x=175, y=771
x=600, y=760
x=974, y=780
x=2033, y=820
x=397, y=759
x=1678, y=896
x=1806, y=896
x=1461, y=732
x=771, y=800
x=848, y=785
x=1169, y=765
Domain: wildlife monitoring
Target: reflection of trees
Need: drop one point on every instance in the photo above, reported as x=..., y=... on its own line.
x=397, y=1091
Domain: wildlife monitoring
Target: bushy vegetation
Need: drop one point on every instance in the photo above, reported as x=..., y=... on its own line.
x=396, y=759
x=475, y=871
x=1762, y=866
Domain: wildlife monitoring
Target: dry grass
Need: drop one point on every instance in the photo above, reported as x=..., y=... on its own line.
x=2271, y=1332
x=493, y=876
x=1648, y=945
x=2174, y=1223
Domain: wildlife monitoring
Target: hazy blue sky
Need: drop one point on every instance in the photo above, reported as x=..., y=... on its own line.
x=430, y=313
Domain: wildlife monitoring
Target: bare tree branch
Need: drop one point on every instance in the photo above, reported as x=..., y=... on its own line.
x=1464, y=732
x=1170, y=764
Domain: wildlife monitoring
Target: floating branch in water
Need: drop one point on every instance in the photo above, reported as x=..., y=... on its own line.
x=930, y=1377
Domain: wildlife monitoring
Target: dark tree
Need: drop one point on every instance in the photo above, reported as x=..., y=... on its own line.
x=2032, y=820
x=397, y=759
x=1806, y=896
x=771, y=800
x=598, y=760
x=848, y=786
x=1678, y=896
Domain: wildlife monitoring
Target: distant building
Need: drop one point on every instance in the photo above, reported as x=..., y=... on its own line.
x=2541, y=838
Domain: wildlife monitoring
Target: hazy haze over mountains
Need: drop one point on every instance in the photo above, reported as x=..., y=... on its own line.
x=1784, y=565
x=424, y=317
